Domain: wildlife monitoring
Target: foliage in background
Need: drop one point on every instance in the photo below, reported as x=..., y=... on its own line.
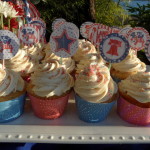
x=110, y=13
x=75, y=11
x=140, y=16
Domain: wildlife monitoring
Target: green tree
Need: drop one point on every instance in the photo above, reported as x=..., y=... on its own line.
x=110, y=13
x=140, y=16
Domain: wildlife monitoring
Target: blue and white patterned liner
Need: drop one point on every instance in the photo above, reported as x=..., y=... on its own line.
x=92, y=112
x=12, y=109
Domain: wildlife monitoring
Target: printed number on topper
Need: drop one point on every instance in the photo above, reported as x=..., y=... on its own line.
x=29, y=34
x=147, y=50
x=64, y=42
x=137, y=38
x=40, y=24
x=9, y=44
x=98, y=32
x=85, y=27
x=114, y=48
x=57, y=23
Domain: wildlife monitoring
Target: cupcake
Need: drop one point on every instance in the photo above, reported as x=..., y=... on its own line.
x=21, y=63
x=12, y=95
x=134, y=103
x=67, y=63
x=89, y=58
x=129, y=66
x=49, y=90
x=36, y=52
x=84, y=48
x=95, y=93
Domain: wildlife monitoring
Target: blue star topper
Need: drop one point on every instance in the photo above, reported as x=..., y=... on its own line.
x=63, y=42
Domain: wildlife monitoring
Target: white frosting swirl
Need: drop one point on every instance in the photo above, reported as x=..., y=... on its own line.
x=89, y=58
x=20, y=62
x=49, y=79
x=130, y=64
x=94, y=83
x=10, y=82
x=35, y=52
x=85, y=47
x=67, y=63
x=137, y=86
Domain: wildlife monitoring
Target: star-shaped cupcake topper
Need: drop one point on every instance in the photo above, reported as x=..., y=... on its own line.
x=63, y=42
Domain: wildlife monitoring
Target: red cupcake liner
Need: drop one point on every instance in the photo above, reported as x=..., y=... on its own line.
x=49, y=108
x=133, y=114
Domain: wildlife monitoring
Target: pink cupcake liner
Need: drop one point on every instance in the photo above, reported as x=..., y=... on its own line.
x=49, y=108
x=133, y=114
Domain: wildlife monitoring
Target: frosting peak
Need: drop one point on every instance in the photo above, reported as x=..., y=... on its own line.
x=137, y=86
x=94, y=83
x=10, y=82
x=49, y=79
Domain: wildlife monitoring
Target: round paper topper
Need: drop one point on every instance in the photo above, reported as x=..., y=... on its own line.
x=40, y=24
x=29, y=34
x=124, y=31
x=71, y=26
x=115, y=29
x=64, y=42
x=57, y=23
x=97, y=32
x=9, y=44
x=114, y=48
x=147, y=50
x=137, y=38
x=84, y=29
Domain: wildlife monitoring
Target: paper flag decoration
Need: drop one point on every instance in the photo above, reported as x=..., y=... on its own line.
x=9, y=44
x=40, y=24
x=137, y=38
x=147, y=50
x=29, y=34
x=64, y=42
x=97, y=32
x=84, y=29
x=114, y=48
x=57, y=23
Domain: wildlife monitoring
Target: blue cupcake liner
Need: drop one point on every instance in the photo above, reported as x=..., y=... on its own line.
x=92, y=112
x=117, y=80
x=12, y=109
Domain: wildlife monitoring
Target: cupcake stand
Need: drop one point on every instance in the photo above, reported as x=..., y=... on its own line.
x=69, y=129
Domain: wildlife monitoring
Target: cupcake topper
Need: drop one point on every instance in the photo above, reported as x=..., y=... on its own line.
x=72, y=27
x=41, y=26
x=84, y=29
x=9, y=45
x=64, y=42
x=98, y=32
x=147, y=50
x=57, y=23
x=114, y=48
x=29, y=34
x=115, y=29
x=124, y=31
x=137, y=38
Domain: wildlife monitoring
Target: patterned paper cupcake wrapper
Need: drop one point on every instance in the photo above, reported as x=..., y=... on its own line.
x=133, y=114
x=49, y=108
x=92, y=112
x=12, y=109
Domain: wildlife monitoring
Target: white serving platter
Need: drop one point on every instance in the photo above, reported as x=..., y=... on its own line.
x=70, y=129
